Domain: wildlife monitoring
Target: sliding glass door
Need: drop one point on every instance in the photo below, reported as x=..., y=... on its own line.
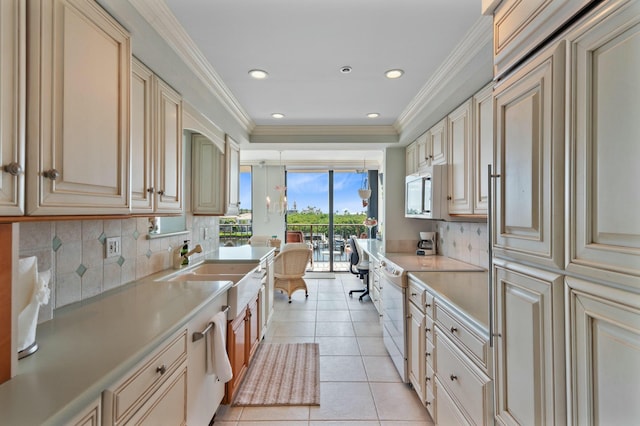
x=326, y=208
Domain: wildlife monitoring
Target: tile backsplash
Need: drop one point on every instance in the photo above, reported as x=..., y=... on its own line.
x=465, y=241
x=74, y=251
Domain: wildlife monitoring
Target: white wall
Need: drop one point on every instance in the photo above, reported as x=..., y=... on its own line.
x=264, y=180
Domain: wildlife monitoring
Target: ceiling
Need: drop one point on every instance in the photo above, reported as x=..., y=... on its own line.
x=303, y=44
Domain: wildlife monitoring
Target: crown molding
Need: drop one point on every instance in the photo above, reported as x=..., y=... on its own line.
x=471, y=45
x=160, y=17
x=325, y=134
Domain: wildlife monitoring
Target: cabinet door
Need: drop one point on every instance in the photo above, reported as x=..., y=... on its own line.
x=169, y=148
x=519, y=26
x=438, y=143
x=12, y=107
x=253, y=335
x=78, y=110
x=88, y=417
x=422, y=151
x=233, y=177
x=410, y=158
x=604, y=326
x=529, y=370
x=237, y=350
x=482, y=147
x=460, y=160
x=604, y=196
x=416, y=350
x=142, y=152
x=530, y=161
x=207, y=181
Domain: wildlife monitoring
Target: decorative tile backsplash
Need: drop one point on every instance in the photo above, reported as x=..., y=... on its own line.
x=465, y=241
x=74, y=251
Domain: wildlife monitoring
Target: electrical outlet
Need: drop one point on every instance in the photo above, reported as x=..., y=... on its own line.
x=113, y=247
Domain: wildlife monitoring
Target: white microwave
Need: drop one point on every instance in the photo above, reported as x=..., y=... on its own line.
x=424, y=194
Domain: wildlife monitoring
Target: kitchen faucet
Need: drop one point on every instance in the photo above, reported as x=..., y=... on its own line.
x=178, y=258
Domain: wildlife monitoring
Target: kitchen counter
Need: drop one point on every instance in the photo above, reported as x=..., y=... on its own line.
x=91, y=344
x=240, y=254
x=466, y=292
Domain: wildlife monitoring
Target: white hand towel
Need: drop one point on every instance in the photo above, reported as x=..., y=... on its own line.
x=219, y=363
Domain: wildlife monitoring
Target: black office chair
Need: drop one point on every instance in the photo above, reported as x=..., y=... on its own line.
x=361, y=266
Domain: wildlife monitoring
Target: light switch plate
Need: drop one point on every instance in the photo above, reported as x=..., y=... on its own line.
x=113, y=247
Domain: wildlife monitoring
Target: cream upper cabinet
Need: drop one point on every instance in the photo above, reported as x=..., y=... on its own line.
x=156, y=144
x=168, y=125
x=605, y=144
x=410, y=159
x=142, y=160
x=77, y=109
x=529, y=373
x=482, y=147
x=422, y=151
x=604, y=326
x=460, y=179
x=12, y=106
x=233, y=176
x=208, y=181
x=437, y=143
x=519, y=26
x=530, y=161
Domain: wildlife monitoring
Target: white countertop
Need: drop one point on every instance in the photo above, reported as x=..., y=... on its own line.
x=467, y=292
x=240, y=254
x=90, y=345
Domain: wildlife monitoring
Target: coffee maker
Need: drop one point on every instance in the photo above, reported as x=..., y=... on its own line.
x=427, y=244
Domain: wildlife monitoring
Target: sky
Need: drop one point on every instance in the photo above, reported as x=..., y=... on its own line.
x=310, y=189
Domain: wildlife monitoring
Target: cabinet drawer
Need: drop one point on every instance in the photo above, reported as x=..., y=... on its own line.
x=447, y=412
x=430, y=402
x=468, y=385
x=430, y=353
x=476, y=346
x=168, y=406
x=429, y=328
x=428, y=304
x=430, y=377
x=125, y=398
x=417, y=295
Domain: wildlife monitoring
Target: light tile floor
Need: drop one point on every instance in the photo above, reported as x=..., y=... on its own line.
x=359, y=385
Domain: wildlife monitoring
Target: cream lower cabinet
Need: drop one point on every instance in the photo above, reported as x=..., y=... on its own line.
x=12, y=107
x=604, y=331
x=529, y=372
x=155, y=392
x=78, y=82
x=92, y=416
x=156, y=146
x=416, y=349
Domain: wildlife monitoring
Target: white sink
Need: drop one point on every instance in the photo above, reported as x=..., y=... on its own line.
x=246, y=278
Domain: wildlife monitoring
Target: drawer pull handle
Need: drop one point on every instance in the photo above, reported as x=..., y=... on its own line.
x=453, y=377
x=428, y=353
x=161, y=192
x=428, y=330
x=453, y=329
x=428, y=305
x=162, y=369
x=428, y=378
x=414, y=294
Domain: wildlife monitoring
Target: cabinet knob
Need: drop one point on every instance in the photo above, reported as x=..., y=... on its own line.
x=162, y=369
x=427, y=378
x=52, y=174
x=449, y=197
x=427, y=305
x=428, y=354
x=150, y=190
x=161, y=192
x=414, y=294
x=453, y=377
x=13, y=168
x=428, y=330
x=453, y=329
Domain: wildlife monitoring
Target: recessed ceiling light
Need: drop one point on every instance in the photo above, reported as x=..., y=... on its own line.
x=258, y=74
x=277, y=115
x=397, y=73
x=373, y=115
x=346, y=69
